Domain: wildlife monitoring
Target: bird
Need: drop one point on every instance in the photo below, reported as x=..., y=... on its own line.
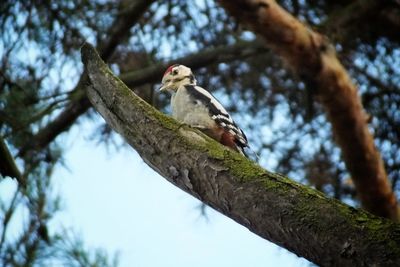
x=198, y=108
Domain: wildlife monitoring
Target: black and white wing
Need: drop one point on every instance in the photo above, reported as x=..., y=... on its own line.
x=219, y=114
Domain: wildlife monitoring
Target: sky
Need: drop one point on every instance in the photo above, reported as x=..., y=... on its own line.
x=113, y=200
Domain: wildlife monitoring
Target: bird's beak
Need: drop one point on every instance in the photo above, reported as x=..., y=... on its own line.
x=163, y=88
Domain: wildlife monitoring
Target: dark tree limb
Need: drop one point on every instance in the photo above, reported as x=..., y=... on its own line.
x=79, y=103
x=352, y=22
x=7, y=164
x=313, y=58
x=240, y=50
x=304, y=221
x=120, y=29
x=61, y=123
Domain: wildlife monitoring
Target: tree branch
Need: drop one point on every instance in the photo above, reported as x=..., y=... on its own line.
x=120, y=29
x=313, y=58
x=7, y=164
x=351, y=22
x=240, y=50
x=75, y=108
x=270, y=205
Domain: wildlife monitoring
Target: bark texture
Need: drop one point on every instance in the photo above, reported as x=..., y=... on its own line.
x=313, y=58
x=293, y=216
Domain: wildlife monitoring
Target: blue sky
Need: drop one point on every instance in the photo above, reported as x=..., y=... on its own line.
x=115, y=201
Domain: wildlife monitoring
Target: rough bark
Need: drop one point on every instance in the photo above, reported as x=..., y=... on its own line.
x=79, y=103
x=300, y=219
x=313, y=58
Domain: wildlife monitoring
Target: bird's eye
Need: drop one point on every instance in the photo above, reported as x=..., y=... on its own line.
x=174, y=72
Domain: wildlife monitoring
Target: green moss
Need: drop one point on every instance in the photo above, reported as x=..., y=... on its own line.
x=214, y=149
x=166, y=121
x=243, y=168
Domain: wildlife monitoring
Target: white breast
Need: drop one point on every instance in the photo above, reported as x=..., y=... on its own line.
x=189, y=111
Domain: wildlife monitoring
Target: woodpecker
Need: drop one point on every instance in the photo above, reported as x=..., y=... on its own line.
x=195, y=106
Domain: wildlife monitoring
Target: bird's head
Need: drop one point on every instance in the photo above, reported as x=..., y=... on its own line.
x=176, y=76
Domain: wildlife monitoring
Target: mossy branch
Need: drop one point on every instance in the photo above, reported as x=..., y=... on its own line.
x=302, y=220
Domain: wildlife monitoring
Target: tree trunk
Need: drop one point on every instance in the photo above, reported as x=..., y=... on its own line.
x=291, y=215
x=314, y=59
